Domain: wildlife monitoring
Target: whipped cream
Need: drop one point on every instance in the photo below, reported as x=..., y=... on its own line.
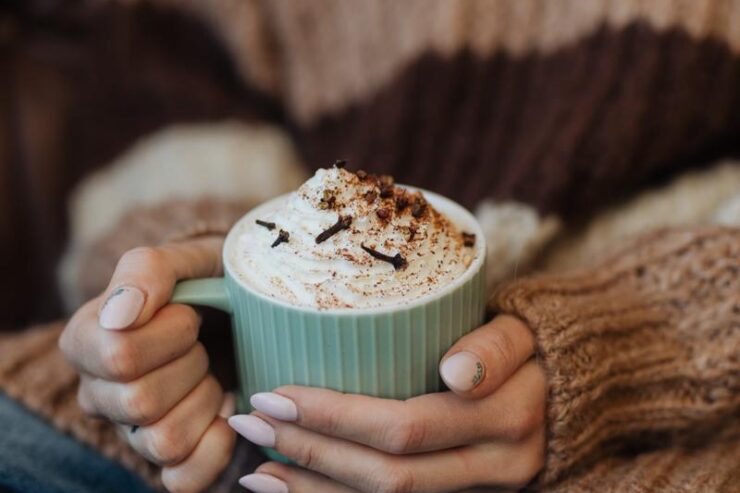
x=350, y=240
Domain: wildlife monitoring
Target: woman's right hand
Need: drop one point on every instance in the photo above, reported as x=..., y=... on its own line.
x=142, y=367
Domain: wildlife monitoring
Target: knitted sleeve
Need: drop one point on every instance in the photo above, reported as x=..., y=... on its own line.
x=88, y=273
x=643, y=347
x=33, y=371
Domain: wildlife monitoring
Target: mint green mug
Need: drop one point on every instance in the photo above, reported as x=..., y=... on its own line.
x=390, y=352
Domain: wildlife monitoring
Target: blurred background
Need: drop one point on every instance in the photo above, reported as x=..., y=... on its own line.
x=560, y=109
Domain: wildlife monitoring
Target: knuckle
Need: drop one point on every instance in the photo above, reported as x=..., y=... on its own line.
x=144, y=256
x=308, y=456
x=201, y=355
x=406, y=435
x=331, y=421
x=138, y=404
x=517, y=429
x=166, y=445
x=522, y=423
x=393, y=479
x=187, y=319
x=121, y=359
x=70, y=340
x=195, y=473
x=503, y=348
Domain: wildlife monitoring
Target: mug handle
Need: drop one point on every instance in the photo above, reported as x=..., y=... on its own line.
x=210, y=291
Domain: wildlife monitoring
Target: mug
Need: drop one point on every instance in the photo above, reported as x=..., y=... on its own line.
x=391, y=352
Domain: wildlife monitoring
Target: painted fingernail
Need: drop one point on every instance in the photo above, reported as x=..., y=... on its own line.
x=121, y=308
x=263, y=483
x=253, y=429
x=274, y=405
x=462, y=371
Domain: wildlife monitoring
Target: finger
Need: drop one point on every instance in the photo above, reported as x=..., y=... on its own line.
x=145, y=277
x=279, y=478
x=203, y=466
x=228, y=406
x=424, y=423
x=171, y=439
x=367, y=469
x=147, y=399
x=479, y=362
x=126, y=355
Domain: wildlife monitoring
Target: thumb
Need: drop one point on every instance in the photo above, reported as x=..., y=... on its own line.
x=479, y=362
x=145, y=277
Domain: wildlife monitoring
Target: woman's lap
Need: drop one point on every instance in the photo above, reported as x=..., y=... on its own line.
x=36, y=458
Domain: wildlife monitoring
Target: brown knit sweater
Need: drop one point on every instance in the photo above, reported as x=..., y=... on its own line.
x=643, y=349
x=641, y=353
x=563, y=106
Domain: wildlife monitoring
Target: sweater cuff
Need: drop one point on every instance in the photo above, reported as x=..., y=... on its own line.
x=87, y=269
x=639, y=348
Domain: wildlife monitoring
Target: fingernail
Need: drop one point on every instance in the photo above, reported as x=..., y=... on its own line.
x=228, y=406
x=253, y=429
x=462, y=371
x=121, y=308
x=263, y=483
x=274, y=405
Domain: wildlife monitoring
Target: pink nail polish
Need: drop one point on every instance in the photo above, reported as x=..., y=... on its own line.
x=462, y=371
x=263, y=483
x=274, y=405
x=121, y=308
x=253, y=429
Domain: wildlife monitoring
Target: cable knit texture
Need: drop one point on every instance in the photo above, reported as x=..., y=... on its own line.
x=640, y=348
x=174, y=220
x=712, y=467
x=33, y=369
x=640, y=351
x=34, y=372
x=564, y=106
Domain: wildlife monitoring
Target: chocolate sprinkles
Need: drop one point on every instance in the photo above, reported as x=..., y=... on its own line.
x=468, y=239
x=283, y=237
x=340, y=163
x=386, y=191
x=402, y=202
x=328, y=200
x=385, y=182
x=370, y=196
x=419, y=207
x=412, y=232
x=267, y=225
x=342, y=223
x=397, y=260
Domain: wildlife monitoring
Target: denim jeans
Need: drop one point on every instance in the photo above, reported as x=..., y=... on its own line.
x=36, y=458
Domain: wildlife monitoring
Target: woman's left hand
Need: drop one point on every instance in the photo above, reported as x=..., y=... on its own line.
x=489, y=430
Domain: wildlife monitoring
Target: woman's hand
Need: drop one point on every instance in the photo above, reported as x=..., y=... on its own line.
x=488, y=431
x=141, y=364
